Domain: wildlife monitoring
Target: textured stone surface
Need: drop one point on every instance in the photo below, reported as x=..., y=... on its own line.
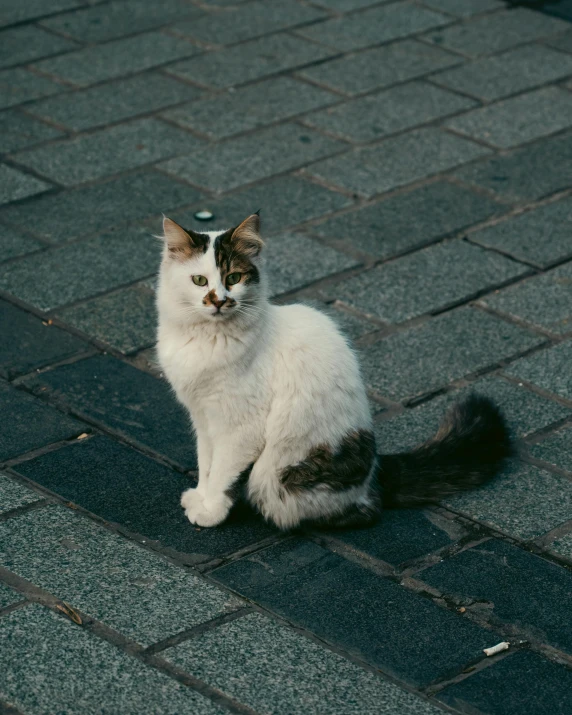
x=18, y=131
x=294, y=675
x=556, y=449
x=465, y=8
x=13, y=495
x=13, y=243
x=8, y=596
x=18, y=85
x=13, y=11
x=16, y=185
x=548, y=369
x=396, y=162
x=563, y=546
x=24, y=44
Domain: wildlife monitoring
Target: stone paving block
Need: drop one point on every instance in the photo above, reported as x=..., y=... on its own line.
x=117, y=58
x=102, y=206
x=518, y=120
x=24, y=44
x=40, y=679
x=497, y=31
x=464, y=8
x=375, y=116
x=389, y=627
x=540, y=237
x=380, y=67
x=529, y=173
x=126, y=488
x=17, y=131
x=352, y=326
x=51, y=279
x=113, y=20
x=108, y=151
x=525, y=412
x=113, y=102
x=270, y=668
x=409, y=220
x=126, y=320
x=18, y=85
x=129, y=402
x=14, y=243
x=521, y=684
x=522, y=588
x=446, y=348
x=250, y=61
x=346, y=5
x=556, y=449
x=33, y=343
x=32, y=424
x=16, y=185
x=514, y=71
x=547, y=369
x=544, y=300
x=247, y=21
x=397, y=161
x=563, y=546
x=8, y=596
x=374, y=26
x=524, y=501
x=13, y=495
x=561, y=42
x=250, y=107
x=283, y=202
x=13, y=11
x=225, y=166
x=452, y=272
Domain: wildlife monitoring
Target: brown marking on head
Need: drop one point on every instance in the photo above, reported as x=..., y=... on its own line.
x=234, y=250
x=183, y=244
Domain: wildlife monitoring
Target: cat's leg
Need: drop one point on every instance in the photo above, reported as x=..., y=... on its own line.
x=204, y=456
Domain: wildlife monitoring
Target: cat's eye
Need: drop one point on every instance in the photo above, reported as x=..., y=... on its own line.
x=233, y=279
x=199, y=280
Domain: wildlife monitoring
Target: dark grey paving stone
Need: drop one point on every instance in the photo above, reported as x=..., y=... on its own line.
x=529, y=173
x=39, y=678
x=518, y=120
x=497, y=31
x=242, y=110
x=27, y=43
x=374, y=26
x=346, y=5
x=544, y=300
x=446, y=348
x=250, y=61
x=18, y=85
x=556, y=449
x=225, y=166
x=13, y=495
x=465, y=8
x=514, y=71
x=375, y=116
x=126, y=320
x=540, y=237
x=380, y=67
x=248, y=21
x=294, y=675
x=377, y=620
x=113, y=102
x=110, y=21
x=50, y=279
x=108, y=151
x=524, y=502
x=452, y=272
x=522, y=588
x=397, y=161
x=525, y=412
x=126, y=488
x=13, y=11
x=65, y=216
x=117, y=58
x=409, y=220
x=33, y=343
x=519, y=685
x=31, y=423
x=16, y=185
x=129, y=402
x=14, y=244
x=548, y=369
x=561, y=42
x=563, y=546
x=8, y=596
x=17, y=131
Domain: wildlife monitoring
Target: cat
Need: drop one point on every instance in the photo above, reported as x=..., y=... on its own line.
x=278, y=404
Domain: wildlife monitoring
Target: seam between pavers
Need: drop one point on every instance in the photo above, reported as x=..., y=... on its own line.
x=17, y=511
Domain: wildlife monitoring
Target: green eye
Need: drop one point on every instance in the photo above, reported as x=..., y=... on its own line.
x=199, y=280
x=233, y=279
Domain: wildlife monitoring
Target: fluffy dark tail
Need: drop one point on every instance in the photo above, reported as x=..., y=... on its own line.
x=469, y=448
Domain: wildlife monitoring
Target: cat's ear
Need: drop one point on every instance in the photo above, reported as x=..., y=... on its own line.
x=246, y=236
x=181, y=243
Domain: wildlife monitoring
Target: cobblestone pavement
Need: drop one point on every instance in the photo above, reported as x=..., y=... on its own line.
x=413, y=164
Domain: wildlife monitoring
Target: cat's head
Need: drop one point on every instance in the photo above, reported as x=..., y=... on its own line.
x=213, y=275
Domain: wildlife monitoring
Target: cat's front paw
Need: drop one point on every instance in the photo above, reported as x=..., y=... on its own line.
x=203, y=511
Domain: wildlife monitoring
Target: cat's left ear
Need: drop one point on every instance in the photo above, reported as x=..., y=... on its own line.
x=246, y=236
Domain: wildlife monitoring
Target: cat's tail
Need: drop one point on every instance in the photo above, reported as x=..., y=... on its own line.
x=469, y=448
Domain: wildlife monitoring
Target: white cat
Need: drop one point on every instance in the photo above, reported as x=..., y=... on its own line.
x=278, y=403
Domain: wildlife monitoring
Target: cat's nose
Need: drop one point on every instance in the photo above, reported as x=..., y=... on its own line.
x=219, y=303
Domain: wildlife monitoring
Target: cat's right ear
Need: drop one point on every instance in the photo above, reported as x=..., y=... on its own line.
x=182, y=244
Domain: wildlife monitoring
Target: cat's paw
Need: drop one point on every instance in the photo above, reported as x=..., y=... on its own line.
x=203, y=511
